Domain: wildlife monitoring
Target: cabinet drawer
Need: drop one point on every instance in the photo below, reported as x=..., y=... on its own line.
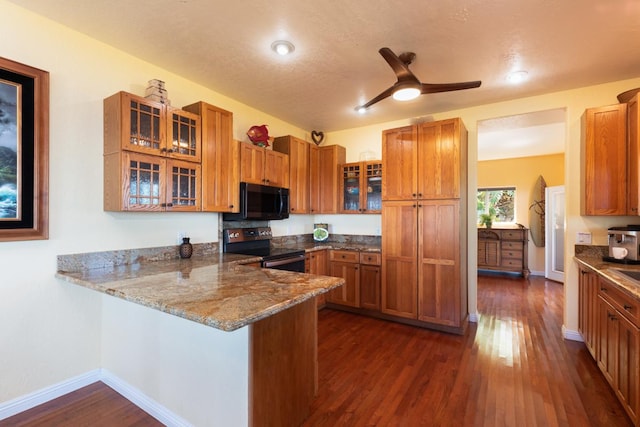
x=517, y=246
x=511, y=262
x=512, y=234
x=371, y=258
x=514, y=255
x=344, y=256
x=623, y=303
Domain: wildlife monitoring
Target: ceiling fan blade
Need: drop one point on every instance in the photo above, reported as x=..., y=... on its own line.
x=400, y=68
x=448, y=87
x=380, y=97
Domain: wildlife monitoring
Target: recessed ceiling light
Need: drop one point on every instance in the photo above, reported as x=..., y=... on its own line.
x=282, y=47
x=517, y=77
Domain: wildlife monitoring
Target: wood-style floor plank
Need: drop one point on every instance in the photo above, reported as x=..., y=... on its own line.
x=513, y=368
x=95, y=405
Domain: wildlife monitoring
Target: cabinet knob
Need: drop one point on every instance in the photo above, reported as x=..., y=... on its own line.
x=419, y=194
x=231, y=206
x=603, y=289
x=413, y=195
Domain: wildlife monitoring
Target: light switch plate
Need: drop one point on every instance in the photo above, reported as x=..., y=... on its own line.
x=584, y=237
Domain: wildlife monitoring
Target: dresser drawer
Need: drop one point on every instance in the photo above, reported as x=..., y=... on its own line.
x=515, y=255
x=370, y=258
x=512, y=234
x=344, y=256
x=511, y=262
x=512, y=246
x=622, y=302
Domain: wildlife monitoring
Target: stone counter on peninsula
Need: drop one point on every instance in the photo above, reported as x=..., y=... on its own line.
x=246, y=353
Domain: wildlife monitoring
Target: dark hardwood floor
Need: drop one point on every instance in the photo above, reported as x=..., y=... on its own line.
x=512, y=368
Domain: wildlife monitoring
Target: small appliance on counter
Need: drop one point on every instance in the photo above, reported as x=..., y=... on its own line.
x=320, y=232
x=623, y=244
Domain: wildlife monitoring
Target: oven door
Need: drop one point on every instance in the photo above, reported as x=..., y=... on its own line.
x=292, y=263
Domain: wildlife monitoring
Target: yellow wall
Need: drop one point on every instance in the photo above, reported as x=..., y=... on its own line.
x=522, y=174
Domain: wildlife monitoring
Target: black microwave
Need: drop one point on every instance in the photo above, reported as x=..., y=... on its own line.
x=261, y=202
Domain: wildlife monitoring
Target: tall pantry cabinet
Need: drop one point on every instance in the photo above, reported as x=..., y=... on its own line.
x=424, y=224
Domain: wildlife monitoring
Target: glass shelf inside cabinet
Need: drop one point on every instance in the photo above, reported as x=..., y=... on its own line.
x=351, y=196
x=374, y=186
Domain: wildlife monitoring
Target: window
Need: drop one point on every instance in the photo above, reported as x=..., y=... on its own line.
x=497, y=202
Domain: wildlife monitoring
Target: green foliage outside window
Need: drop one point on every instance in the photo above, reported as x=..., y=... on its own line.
x=499, y=203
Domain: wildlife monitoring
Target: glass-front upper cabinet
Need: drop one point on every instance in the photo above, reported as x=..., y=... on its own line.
x=361, y=187
x=135, y=123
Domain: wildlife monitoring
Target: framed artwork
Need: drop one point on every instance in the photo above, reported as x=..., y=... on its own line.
x=24, y=152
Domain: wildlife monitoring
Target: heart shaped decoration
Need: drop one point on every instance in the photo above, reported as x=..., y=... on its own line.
x=317, y=137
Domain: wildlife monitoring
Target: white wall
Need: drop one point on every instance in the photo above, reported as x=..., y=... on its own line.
x=51, y=330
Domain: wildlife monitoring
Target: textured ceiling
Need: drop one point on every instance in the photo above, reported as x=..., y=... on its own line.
x=225, y=46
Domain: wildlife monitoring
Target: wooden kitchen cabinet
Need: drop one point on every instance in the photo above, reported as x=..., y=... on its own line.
x=587, y=308
x=152, y=155
x=618, y=348
x=141, y=182
x=298, y=152
x=265, y=167
x=409, y=151
x=633, y=157
x=424, y=222
x=324, y=186
x=604, y=166
x=400, y=259
x=316, y=263
x=370, y=279
x=220, y=159
x=134, y=123
x=345, y=264
x=361, y=187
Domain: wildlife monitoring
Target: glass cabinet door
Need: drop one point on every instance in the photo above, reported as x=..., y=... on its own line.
x=184, y=185
x=144, y=186
x=351, y=188
x=183, y=135
x=145, y=129
x=373, y=195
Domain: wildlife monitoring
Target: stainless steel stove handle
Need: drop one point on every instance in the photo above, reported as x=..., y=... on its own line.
x=278, y=262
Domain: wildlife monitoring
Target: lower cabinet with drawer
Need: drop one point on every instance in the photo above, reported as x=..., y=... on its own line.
x=361, y=271
x=618, y=345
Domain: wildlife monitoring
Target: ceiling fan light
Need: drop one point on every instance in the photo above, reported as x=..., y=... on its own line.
x=361, y=110
x=406, y=94
x=282, y=47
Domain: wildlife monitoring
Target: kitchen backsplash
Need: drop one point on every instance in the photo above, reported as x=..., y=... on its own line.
x=339, y=238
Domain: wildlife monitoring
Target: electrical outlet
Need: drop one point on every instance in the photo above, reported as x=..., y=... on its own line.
x=583, y=237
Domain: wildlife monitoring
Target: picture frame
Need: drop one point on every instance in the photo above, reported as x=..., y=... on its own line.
x=24, y=152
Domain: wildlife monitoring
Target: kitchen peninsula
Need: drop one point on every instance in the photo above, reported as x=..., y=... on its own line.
x=260, y=345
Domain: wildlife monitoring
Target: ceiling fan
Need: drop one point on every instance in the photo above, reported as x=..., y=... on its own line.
x=408, y=86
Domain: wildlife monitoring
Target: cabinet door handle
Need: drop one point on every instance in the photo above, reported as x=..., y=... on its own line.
x=604, y=289
x=628, y=307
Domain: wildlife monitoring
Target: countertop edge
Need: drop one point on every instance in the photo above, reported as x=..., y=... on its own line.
x=602, y=268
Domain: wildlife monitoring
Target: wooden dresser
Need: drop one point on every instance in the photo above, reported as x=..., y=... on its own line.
x=503, y=249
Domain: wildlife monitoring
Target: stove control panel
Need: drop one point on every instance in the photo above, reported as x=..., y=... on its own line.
x=234, y=235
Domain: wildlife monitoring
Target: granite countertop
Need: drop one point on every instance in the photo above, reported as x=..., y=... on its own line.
x=610, y=271
x=214, y=290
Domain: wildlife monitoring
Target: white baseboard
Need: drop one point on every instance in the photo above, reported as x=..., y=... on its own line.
x=153, y=408
x=571, y=335
x=143, y=401
x=474, y=317
x=31, y=400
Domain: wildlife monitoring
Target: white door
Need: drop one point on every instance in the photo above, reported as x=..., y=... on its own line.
x=554, y=233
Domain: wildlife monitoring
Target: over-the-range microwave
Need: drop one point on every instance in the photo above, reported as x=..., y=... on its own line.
x=261, y=202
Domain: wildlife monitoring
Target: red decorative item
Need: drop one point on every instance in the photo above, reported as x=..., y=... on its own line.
x=259, y=135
